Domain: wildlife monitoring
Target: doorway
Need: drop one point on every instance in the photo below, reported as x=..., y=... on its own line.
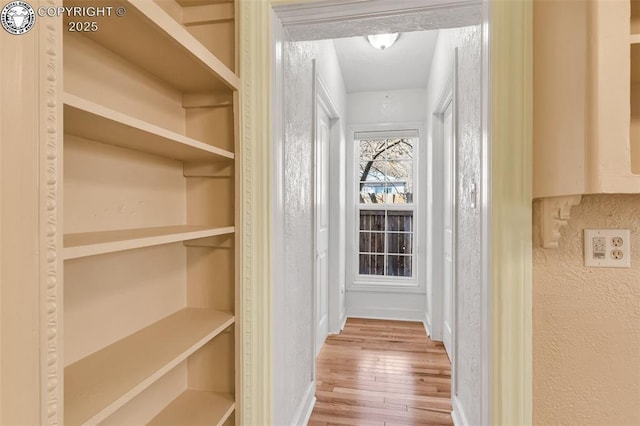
x=394, y=193
x=326, y=117
x=449, y=214
x=511, y=45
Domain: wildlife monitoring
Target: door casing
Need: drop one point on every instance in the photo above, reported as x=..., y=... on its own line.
x=506, y=147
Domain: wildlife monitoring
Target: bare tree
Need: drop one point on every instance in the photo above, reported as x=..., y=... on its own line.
x=373, y=149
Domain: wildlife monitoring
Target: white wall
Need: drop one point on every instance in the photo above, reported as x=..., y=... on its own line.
x=467, y=350
x=293, y=323
x=391, y=106
x=399, y=107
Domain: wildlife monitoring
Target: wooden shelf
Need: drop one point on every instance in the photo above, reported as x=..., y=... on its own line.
x=93, y=243
x=634, y=39
x=89, y=120
x=96, y=386
x=196, y=408
x=149, y=38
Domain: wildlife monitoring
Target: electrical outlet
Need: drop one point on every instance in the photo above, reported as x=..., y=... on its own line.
x=607, y=248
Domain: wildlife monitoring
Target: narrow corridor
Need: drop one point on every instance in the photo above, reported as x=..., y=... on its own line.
x=382, y=373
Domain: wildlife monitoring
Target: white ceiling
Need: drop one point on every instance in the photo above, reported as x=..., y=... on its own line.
x=405, y=65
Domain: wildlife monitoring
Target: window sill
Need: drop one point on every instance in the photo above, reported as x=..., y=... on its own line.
x=387, y=287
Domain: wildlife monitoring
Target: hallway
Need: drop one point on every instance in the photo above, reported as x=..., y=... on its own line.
x=382, y=373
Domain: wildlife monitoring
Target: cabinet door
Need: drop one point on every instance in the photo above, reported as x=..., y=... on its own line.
x=582, y=90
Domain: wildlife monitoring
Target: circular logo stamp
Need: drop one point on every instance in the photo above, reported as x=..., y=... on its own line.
x=17, y=17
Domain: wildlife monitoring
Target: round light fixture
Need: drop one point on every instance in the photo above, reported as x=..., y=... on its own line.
x=383, y=41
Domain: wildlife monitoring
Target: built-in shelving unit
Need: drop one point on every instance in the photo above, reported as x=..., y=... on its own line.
x=150, y=148
x=104, y=381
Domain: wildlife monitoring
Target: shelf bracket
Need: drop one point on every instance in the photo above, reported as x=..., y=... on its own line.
x=556, y=212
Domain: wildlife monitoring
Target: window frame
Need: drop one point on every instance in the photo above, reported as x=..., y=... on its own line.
x=361, y=282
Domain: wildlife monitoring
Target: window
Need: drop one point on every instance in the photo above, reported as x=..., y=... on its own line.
x=385, y=206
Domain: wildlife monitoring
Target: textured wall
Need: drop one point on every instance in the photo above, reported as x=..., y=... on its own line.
x=292, y=296
x=469, y=272
x=469, y=103
x=586, y=323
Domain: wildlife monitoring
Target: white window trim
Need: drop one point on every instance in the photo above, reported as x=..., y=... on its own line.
x=356, y=282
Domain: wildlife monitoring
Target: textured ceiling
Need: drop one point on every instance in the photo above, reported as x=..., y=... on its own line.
x=405, y=65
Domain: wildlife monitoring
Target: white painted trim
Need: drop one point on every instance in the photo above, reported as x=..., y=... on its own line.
x=454, y=228
x=321, y=97
x=386, y=314
x=457, y=414
x=336, y=10
x=437, y=218
x=427, y=325
x=304, y=410
x=486, y=330
x=335, y=260
x=277, y=152
x=354, y=282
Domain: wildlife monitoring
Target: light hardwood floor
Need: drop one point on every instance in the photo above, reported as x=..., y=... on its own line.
x=382, y=373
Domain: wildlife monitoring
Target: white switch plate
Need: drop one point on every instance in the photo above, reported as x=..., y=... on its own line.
x=607, y=248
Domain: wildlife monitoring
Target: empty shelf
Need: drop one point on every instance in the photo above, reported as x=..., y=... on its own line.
x=196, y=408
x=99, y=384
x=93, y=243
x=92, y=121
x=176, y=56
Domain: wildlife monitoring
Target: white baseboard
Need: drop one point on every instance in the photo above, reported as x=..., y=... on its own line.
x=427, y=324
x=343, y=321
x=458, y=416
x=304, y=410
x=388, y=314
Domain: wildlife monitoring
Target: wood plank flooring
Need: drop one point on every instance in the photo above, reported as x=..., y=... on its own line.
x=382, y=373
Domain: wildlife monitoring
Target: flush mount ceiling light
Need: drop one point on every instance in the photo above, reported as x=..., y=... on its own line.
x=383, y=41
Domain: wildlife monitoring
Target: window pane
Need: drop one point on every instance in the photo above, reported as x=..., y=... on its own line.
x=398, y=243
x=371, y=264
x=400, y=221
x=371, y=149
x=398, y=149
x=399, y=266
x=372, y=171
x=371, y=220
x=385, y=174
x=372, y=242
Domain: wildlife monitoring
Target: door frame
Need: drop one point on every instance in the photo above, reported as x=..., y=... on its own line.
x=436, y=328
x=447, y=96
x=322, y=96
x=506, y=147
